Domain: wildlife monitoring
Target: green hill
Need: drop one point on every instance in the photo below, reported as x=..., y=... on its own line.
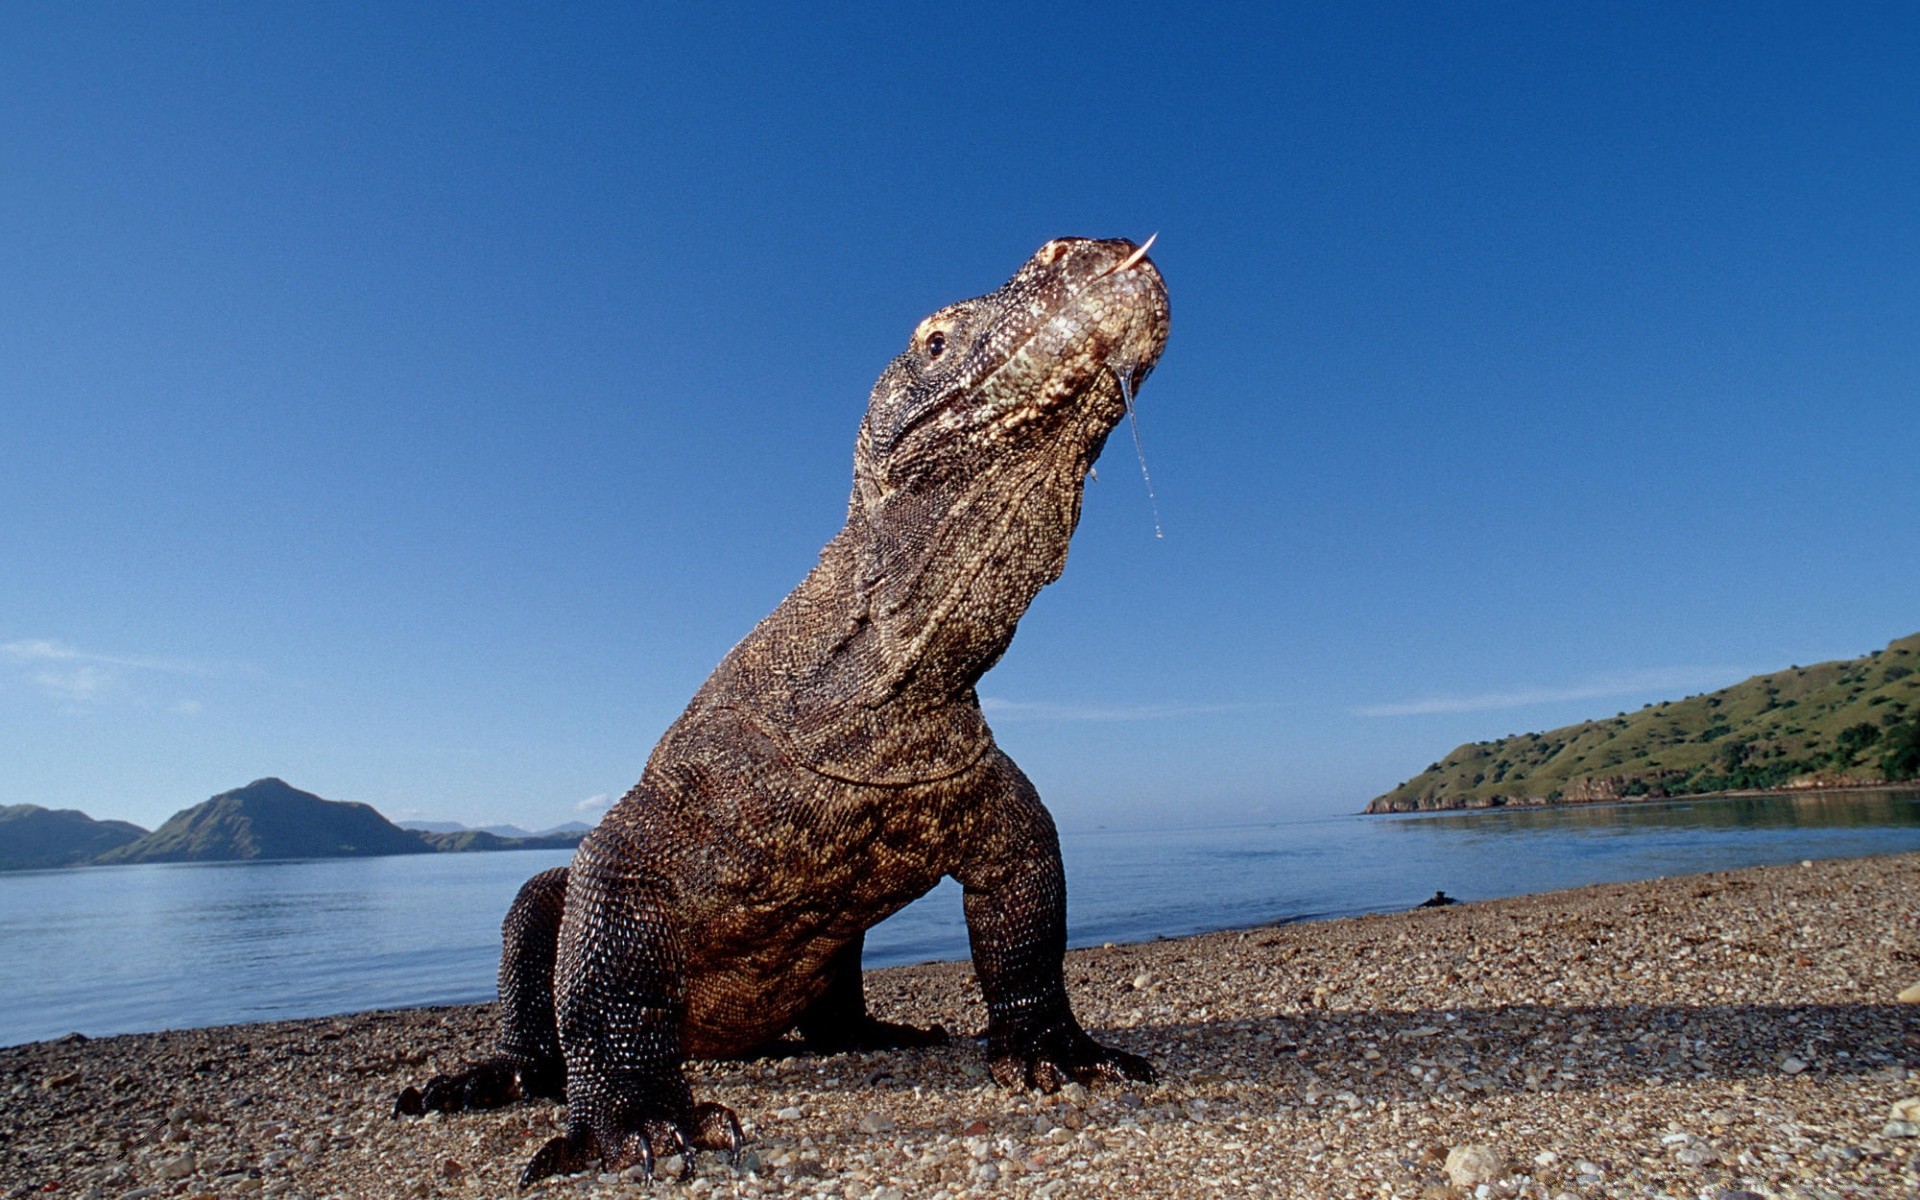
x=31, y=836
x=269, y=819
x=1836, y=724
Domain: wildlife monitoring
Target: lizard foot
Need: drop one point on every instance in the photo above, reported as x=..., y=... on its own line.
x=491, y=1084
x=638, y=1142
x=871, y=1034
x=1055, y=1057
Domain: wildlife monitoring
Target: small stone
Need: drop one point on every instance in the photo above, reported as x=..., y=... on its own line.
x=1143, y=981
x=1901, y=1129
x=1741, y=1194
x=64, y=1079
x=453, y=1168
x=986, y=1172
x=978, y=1128
x=889, y=1193
x=140, y=1193
x=749, y=1162
x=1472, y=1165
x=175, y=1168
x=875, y=1122
x=1907, y=1109
x=1792, y=1065
x=666, y=1168
x=1075, y=1093
x=1545, y=1158
x=790, y=1113
x=1695, y=1156
x=1910, y=995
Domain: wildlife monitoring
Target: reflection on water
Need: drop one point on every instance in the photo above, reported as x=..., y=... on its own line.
x=1810, y=810
x=113, y=949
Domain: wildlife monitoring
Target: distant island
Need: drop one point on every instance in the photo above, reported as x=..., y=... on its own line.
x=266, y=819
x=1852, y=723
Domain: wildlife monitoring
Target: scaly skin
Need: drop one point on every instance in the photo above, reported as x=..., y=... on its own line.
x=836, y=765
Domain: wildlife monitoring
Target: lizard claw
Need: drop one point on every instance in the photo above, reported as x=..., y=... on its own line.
x=641, y=1144
x=563, y=1155
x=1051, y=1060
x=489, y=1084
x=716, y=1128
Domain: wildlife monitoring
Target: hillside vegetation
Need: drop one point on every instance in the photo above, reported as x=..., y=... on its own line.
x=1836, y=724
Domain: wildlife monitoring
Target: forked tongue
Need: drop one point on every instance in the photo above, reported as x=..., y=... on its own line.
x=1123, y=372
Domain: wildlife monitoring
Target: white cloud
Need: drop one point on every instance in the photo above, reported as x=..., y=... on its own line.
x=1047, y=710
x=76, y=678
x=76, y=685
x=32, y=650
x=598, y=802
x=1658, y=680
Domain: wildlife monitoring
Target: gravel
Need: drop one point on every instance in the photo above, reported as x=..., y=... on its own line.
x=1718, y=1036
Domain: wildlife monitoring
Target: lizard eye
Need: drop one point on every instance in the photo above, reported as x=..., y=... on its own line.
x=936, y=342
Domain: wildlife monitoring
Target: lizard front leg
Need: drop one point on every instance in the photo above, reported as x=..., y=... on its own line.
x=619, y=1002
x=1016, y=907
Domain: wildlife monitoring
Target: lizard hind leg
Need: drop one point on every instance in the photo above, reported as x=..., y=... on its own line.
x=838, y=1021
x=528, y=1062
x=530, y=942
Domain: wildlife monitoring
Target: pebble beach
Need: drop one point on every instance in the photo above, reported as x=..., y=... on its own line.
x=1729, y=1036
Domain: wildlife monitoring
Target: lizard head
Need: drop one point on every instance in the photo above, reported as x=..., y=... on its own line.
x=977, y=441
x=1034, y=369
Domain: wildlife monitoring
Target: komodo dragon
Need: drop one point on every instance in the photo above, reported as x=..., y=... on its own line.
x=836, y=765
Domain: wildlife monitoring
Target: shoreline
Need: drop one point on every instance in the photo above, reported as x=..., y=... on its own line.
x=1737, y=1031
x=1506, y=804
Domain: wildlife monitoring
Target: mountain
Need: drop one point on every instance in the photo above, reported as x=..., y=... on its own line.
x=1836, y=724
x=433, y=826
x=455, y=841
x=31, y=836
x=269, y=819
x=508, y=833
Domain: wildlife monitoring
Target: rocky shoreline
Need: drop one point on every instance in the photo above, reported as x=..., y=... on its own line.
x=1597, y=798
x=1725, y=1036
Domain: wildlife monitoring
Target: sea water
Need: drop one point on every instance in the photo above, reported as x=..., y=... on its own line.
x=103, y=950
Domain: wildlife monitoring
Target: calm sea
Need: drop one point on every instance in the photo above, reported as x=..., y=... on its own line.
x=119, y=949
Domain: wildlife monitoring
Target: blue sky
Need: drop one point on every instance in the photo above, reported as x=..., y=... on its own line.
x=415, y=402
